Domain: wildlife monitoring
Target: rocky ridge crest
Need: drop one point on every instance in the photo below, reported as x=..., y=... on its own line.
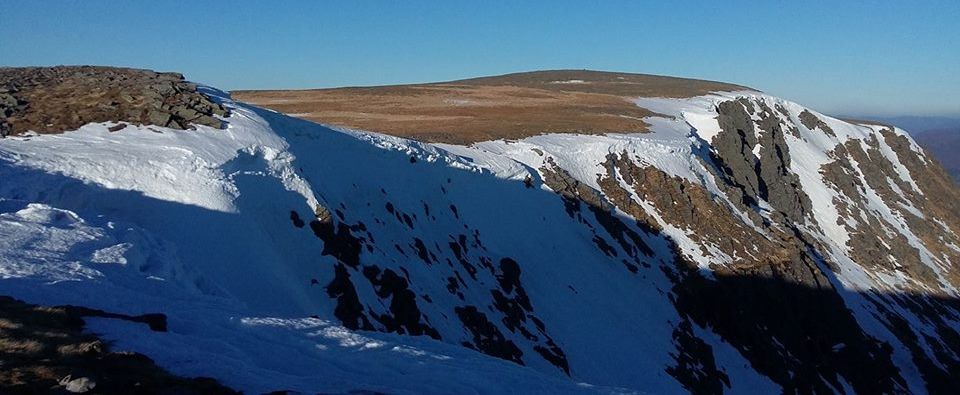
x=57, y=99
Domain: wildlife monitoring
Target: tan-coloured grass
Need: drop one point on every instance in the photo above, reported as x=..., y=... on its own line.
x=512, y=106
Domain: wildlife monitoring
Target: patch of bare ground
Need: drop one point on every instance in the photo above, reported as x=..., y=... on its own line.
x=511, y=106
x=61, y=98
x=44, y=350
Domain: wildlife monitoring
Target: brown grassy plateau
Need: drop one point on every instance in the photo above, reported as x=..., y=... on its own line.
x=511, y=106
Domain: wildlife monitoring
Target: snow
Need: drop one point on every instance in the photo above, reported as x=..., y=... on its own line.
x=524, y=218
x=698, y=112
x=41, y=247
x=745, y=379
x=892, y=157
x=221, y=324
x=35, y=235
x=313, y=355
x=196, y=224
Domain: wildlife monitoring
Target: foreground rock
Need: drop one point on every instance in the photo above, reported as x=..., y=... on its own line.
x=57, y=99
x=44, y=349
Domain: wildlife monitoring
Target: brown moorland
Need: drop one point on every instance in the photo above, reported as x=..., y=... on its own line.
x=511, y=106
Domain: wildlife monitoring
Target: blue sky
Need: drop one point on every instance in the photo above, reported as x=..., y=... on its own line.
x=851, y=57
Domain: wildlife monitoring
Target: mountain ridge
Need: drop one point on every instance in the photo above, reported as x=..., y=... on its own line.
x=742, y=243
x=943, y=143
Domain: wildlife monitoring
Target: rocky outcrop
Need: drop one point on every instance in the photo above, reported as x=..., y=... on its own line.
x=755, y=158
x=57, y=99
x=776, y=298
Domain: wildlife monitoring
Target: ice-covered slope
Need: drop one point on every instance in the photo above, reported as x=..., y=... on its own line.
x=746, y=244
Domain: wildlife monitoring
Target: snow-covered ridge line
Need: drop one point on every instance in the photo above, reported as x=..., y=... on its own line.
x=687, y=125
x=239, y=235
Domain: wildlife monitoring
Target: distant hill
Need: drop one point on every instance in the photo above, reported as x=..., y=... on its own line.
x=511, y=106
x=945, y=145
x=917, y=124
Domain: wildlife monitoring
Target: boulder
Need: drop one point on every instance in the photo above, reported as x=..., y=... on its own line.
x=77, y=385
x=158, y=118
x=185, y=113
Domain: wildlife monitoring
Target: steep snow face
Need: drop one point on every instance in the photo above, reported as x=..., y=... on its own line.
x=289, y=255
x=54, y=256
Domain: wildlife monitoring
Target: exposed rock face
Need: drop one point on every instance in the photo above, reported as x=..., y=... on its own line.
x=764, y=174
x=880, y=246
x=680, y=202
x=779, y=285
x=754, y=298
x=57, y=99
x=812, y=122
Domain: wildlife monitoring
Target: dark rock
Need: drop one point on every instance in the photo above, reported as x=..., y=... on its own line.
x=338, y=241
x=295, y=218
x=812, y=122
x=486, y=337
x=186, y=113
x=349, y=310
x=405, y=316
x=767, y=177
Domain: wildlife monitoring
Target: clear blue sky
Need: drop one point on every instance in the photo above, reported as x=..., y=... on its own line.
x=855, y=57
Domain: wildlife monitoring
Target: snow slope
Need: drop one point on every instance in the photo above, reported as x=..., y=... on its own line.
x=167, y=238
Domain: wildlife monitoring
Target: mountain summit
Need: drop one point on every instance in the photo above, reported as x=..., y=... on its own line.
x=546, y=232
